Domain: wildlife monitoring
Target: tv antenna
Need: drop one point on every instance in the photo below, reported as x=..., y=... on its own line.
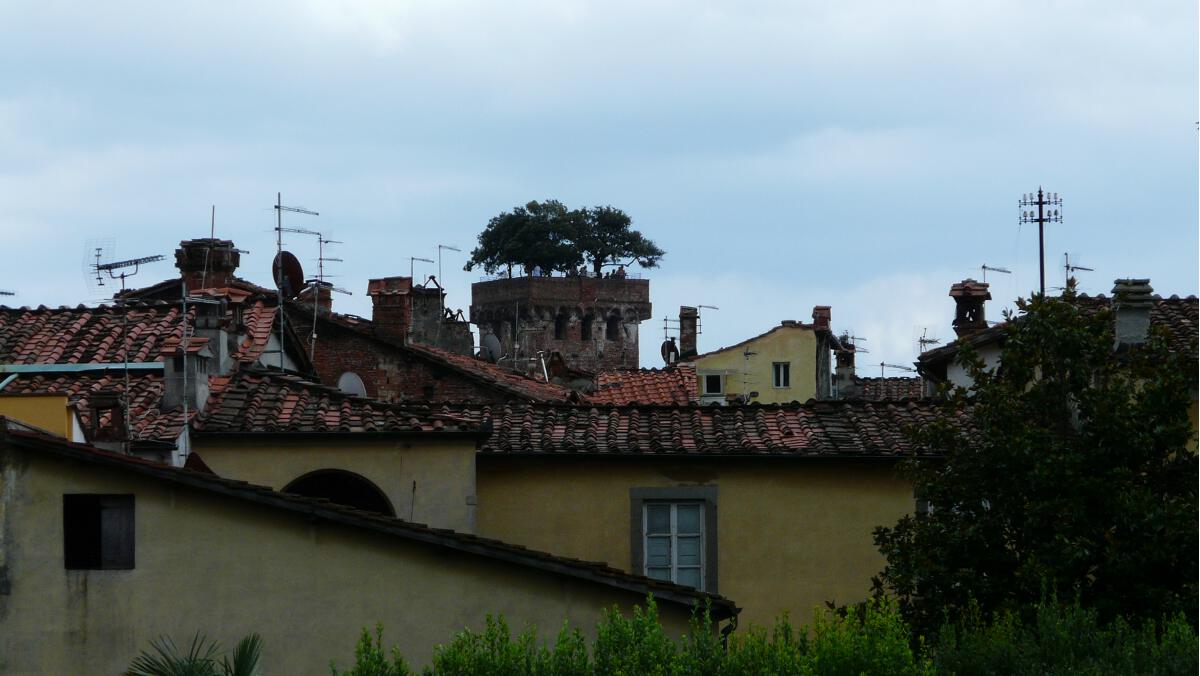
x=7, y=293
x=1045, y=214
x=315, y=286
x=924, y=341
x=412, y=264
x=123, y=266
x=279, y=230
x=883, y=366
x=988, y=268
x=1068, y=269
x=447, y=247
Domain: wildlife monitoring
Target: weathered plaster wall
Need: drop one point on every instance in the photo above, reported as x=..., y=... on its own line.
x=49, y=412
x=224, y=568
x=444, y=471
x=792, y=534
x=796, y=345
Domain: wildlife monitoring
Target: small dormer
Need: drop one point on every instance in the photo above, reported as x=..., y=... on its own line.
x=969, y=297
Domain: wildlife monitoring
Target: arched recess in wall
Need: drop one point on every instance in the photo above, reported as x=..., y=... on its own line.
x=560, y=326
x=585, y=327
x=612, y=330
x=350, y=383
x=342, y=487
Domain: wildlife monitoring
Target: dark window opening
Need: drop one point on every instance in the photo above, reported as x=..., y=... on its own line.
x=343, y=488
x=560, y=327
x=585, y=328
x=98, y=532
x=712, y=384
x=427, y=391
x=613, y=330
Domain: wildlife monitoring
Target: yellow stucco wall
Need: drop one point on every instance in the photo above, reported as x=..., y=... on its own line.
x=792, y=534
x=49, y=412
x=224, y=568
x=444, y=471
x=794, y=344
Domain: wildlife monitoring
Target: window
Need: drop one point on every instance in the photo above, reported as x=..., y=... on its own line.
x=674, y=534
x=98, y=532
x=560, y=327
x=782, y=371
x=713, y=383
x=613, y=330
x=585, y=328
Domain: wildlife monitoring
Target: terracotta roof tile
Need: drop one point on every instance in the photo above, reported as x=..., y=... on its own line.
x=83, y=335
x=256, y=401
x=889, y=389
x=147, y=421
x=812, y=429
x=671, y=385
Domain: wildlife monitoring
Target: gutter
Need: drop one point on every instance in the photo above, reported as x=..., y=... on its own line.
x=78, y=368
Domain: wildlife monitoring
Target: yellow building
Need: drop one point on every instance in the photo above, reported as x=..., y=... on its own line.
x=49, y=412
x=773, y=505
x=101, y=552
x=790, y=362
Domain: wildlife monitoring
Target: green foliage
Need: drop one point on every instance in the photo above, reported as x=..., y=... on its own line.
x=1064, y=639
x=551, y=237
x=370, y=659
x=166, y=659
x=1075, y=474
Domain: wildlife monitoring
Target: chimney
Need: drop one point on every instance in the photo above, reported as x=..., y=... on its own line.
x=969, y=296
x=1132, y=302
x=321, y=293
x=108, y=416
x=391, y=306
x=198, y=367
x=821, y=316
x=687, y=331
x=206, y=263
x=844, y=372
x=211, y=324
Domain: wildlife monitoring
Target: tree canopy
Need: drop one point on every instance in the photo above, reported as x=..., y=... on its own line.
x=1075, y=476
x=548, y=236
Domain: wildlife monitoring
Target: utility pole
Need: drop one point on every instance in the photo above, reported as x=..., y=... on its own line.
x=1042, y=200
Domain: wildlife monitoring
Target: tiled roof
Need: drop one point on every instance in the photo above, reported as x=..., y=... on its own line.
x=98, y=335
x=323, y=510
x=1178, y=315
x=889, y=389
x=260, y=401
x=83, y=335
x=147, y=422
x=495, y=376
x=478, y=370
x=169, y=290
x=814, y=429
x=671, y=385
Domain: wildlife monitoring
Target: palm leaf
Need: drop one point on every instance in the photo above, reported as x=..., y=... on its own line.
x=245, y=657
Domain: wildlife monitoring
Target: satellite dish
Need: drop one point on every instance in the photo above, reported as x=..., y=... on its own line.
x=287, y=273
x=350, y=383
x=669, y=352
x=490, y=348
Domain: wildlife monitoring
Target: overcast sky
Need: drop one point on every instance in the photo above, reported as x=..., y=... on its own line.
x=863, y=155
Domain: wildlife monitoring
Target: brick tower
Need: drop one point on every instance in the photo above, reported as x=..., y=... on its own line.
x=592, y=322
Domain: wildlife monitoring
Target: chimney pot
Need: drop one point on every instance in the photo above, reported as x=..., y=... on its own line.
x=969, y=297
x=1132, y=301
x=207, y=263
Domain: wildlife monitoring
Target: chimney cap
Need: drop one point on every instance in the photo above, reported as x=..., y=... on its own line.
x=1132, y=292
x=389, y=286
x=969, y=288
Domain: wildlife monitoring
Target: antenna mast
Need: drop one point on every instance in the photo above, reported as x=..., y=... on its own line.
x=1068, y=269
x=412, y=265
x=987, y=268
x=1042, y=200
x=279, y=209
x=134, y=263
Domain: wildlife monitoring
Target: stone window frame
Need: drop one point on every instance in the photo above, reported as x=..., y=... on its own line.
x=706, y=495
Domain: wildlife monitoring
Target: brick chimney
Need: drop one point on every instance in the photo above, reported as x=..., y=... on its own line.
x=323, y=295
x=206, y=263
x=1132, y=302
x=391, y=306
x=821, y=316
x=969, y=296
x=844, y=372
x=687, y=331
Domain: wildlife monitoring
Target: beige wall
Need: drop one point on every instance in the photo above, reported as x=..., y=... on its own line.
x=225, y=568
x=49, y=412
x=444, y=471
x=792, y=533
x=795, y=345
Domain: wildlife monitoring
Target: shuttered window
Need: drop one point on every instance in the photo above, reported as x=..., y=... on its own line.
x=98, y=532
x=674, y=542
